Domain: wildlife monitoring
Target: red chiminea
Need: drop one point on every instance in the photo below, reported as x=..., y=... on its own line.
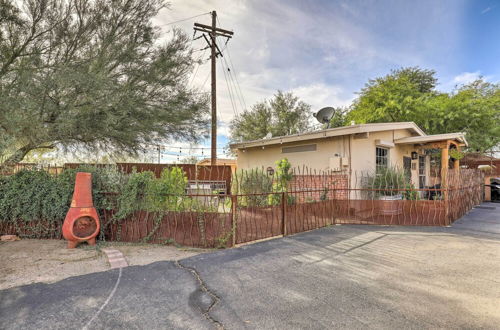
x=82, y=221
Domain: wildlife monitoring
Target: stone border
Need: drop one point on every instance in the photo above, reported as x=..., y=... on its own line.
x=115, y=258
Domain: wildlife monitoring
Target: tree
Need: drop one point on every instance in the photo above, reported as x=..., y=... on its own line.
x=282, y=115
x=473, y=108
x=92, y=74
x=188, y=160
x=409, y=94
x=394, y=97
x=339, y=117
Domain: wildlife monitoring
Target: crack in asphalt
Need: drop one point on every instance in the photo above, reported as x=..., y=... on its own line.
x=215, y=299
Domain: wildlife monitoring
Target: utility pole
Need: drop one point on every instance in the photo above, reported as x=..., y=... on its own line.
x=213, y=31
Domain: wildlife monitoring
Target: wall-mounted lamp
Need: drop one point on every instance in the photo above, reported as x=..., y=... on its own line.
x=414, y=155
x=270, y=171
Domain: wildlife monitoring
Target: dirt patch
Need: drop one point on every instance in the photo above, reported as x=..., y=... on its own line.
x=31, y=260
x=143, y=254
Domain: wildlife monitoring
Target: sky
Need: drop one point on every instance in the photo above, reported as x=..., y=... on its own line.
x=325, y=51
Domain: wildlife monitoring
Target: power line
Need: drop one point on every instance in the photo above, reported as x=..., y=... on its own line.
x=234, y=71
x=197, y=67
x=233, y=105
x=184, y=19
x=235, y=77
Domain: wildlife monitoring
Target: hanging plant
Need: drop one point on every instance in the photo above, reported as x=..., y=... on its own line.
x=455, y=154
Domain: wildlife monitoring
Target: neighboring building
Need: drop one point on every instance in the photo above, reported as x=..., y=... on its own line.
x=354, y=149
x=220, y=161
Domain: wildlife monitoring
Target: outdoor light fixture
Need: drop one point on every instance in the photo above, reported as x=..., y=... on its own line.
x=270, y=171
x=414, y=155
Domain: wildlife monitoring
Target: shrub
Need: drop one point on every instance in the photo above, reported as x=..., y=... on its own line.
x=32, y=196
x=280, y=184
x=386, y=181
x=254, y=181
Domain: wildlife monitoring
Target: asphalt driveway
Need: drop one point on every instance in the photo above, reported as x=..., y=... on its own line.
x=336, y=277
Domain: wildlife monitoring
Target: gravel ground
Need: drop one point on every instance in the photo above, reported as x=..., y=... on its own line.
x=32, y=261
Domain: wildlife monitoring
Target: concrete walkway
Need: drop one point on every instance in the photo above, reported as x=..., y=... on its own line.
x=336, y=277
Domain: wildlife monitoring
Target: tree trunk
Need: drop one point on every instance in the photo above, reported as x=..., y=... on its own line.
x=15, y=158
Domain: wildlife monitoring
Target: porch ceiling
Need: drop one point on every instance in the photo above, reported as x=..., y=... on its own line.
x=458, y=137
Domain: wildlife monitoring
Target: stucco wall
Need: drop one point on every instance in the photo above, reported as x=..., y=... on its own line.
x=318, y=160
x=362, y=150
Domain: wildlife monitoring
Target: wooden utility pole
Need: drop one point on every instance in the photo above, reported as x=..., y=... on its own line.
x=213, y=31
x=213, y=154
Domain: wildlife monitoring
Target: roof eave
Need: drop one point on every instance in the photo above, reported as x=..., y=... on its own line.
x=332, y=132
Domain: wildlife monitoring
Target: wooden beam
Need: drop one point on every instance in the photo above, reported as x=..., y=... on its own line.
x=209, y=28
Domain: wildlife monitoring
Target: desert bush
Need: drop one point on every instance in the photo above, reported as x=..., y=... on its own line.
x=386, y=181
x=254, y=181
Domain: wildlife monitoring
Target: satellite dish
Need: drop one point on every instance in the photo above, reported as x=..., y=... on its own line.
x=325, y=115
x=268, y=135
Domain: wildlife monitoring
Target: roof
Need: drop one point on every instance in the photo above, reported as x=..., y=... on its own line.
x=330, y=132
x=478, y=157
x=460, y=137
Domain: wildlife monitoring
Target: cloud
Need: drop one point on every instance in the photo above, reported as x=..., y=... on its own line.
x=321, y=95
x=466, y=77
x=322, y=51
x=487, y=9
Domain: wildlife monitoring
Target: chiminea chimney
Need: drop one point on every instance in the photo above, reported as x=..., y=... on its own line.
x=82, y=221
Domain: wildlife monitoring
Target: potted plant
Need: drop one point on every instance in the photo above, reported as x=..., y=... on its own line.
x=387, y=184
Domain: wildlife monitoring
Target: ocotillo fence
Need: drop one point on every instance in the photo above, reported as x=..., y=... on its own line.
x=260, y=205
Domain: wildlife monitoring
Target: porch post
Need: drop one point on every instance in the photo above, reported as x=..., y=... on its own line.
x=456, y=162
x=444, y=166
x=444, y=179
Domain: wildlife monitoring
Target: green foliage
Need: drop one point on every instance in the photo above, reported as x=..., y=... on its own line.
x=92, y=74
x=282, y=177
x=339, y=118
x=409, y=94
x=42, y=199
x=143, y=191
x=394, y=97
x=134, y=194
x=168, y=189
x=282, y=115
x=389, y=178
x=410, y=193
x=254, y=181
x=33, y=196
x=455, y=154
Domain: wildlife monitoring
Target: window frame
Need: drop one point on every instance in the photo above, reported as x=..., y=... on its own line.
x=378, y=157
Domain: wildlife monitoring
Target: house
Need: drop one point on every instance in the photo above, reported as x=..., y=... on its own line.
x=219, y=161
x=358, y=148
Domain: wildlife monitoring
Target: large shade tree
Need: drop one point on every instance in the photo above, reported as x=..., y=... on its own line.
x=283, y=114
x=93, y=74
x=409, y=94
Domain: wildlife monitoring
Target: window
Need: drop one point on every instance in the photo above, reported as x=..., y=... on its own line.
x=421, y=172
x=381, y=158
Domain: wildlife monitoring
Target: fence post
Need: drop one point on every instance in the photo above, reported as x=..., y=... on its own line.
x=234, y=218
x=283, y=213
